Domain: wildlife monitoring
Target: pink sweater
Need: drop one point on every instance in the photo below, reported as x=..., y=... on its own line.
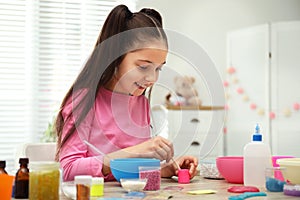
x=116, y=121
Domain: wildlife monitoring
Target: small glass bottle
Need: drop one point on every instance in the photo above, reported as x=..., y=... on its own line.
x=2, y=167
x=22, y=180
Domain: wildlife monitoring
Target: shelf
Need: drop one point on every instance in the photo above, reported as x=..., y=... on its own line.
x=173, y=107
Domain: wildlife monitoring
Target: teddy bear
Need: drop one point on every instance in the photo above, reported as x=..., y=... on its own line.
x=185, y=92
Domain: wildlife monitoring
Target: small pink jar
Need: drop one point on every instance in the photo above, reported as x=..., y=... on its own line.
x=183, y=176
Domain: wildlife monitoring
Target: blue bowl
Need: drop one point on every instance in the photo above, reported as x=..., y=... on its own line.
x=129, y=167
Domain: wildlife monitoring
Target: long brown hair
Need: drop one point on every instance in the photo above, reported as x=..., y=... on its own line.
x=105, y=58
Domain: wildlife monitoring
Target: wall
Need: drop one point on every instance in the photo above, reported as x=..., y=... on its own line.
x=208, y=21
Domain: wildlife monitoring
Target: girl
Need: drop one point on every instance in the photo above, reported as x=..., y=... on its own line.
x=105, y=114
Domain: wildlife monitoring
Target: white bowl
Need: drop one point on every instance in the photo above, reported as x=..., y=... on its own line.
x=69, y=189
x=133, y=184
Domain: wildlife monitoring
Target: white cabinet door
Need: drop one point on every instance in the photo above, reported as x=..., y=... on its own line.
x=285, y=87
x=248, y=54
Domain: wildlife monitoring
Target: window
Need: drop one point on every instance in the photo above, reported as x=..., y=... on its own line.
x=43, y=45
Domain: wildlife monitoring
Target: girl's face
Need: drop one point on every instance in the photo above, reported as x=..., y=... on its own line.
x=138, y=71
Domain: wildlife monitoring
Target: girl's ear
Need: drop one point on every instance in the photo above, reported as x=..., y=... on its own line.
x=193, y=79
x=176, y=78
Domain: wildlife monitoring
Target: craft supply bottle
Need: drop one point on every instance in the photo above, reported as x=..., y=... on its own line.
x=2, y=167
x=257, y=157
x=83, y=187
x=153, y=176
x=44, y=180
x=22, y=180
x=183, y=176
x=97, y=187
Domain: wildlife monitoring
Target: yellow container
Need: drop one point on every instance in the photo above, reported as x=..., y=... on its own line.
x=97, y=187
x=292, y=166
x=44, y=180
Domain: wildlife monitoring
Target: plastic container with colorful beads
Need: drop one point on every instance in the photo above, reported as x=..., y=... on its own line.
x=153, y=176
x=44, y=180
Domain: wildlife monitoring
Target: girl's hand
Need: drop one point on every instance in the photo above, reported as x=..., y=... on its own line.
x=157, y=147
x=185, y=162
x=188, y=162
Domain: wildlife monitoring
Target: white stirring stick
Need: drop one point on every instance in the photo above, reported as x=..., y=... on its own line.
x=95, y=148
x=178, y=167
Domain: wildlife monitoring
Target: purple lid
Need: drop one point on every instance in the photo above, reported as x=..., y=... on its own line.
x=291, y=190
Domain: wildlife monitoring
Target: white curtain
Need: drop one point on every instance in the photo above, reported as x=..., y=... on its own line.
x=43, y=45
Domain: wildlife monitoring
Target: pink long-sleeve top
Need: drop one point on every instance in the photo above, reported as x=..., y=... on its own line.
x=116, y=121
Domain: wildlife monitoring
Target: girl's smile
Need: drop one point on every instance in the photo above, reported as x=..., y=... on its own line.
x=140, y=86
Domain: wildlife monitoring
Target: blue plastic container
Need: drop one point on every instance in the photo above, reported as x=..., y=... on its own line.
x=129, y=167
